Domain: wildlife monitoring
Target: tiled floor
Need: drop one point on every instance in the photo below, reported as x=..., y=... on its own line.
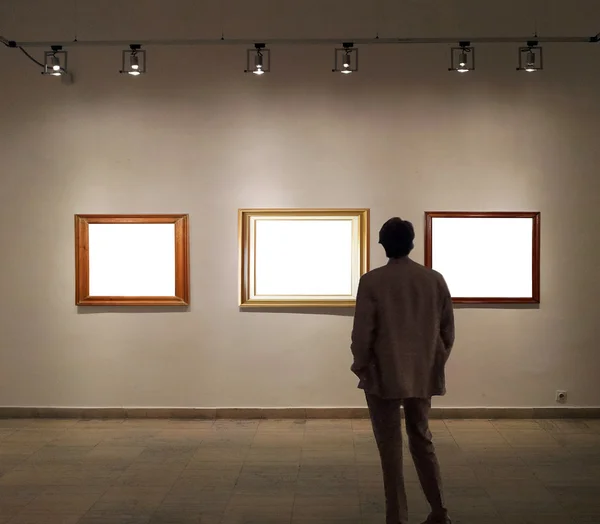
x=271, y=472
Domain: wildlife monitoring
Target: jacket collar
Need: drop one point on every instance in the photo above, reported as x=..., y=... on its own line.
x=401, y=260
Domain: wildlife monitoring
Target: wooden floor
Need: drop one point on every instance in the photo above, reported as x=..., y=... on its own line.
x=271, y=472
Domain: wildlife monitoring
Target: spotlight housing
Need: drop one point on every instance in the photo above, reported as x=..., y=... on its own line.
x=462, y=58
x=55, y=61
x=258, y=60
x=531, y=58
x=133, y=61
x=345, y=59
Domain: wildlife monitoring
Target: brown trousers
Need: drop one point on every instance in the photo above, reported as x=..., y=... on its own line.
x=385, y=417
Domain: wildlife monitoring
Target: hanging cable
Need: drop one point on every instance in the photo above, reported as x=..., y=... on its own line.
x=12, y=44
x=30, y=57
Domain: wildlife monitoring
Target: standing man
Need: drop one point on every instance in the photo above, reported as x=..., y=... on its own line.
x=403, y=334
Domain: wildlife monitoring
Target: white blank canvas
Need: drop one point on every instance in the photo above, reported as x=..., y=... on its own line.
x=132, y=260
x=305, y=257
x=484, y=257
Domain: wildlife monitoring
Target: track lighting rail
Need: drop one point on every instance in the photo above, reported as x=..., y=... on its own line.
x=302, y=41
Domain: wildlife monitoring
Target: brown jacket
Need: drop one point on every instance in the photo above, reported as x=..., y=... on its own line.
x=403, y=331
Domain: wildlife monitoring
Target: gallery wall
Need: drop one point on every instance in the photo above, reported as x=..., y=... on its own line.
x=196, y=135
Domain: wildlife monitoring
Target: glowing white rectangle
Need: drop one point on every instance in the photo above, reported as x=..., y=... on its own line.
x=304, y=257
x=132, y=260
x=484, y=257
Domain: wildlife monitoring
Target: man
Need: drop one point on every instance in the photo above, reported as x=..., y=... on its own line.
x=403, y=334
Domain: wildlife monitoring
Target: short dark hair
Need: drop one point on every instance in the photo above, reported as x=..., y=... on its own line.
x=397, y=237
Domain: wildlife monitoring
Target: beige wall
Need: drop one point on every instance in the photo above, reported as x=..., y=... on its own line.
x=198, y=136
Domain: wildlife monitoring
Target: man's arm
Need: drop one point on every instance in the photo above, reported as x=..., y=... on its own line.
x=363, y=332
x=447, y=318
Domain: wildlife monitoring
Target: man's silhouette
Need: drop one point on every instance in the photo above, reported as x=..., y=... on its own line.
x=403, y=334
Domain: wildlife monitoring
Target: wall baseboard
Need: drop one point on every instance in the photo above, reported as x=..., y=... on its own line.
x=289, y=413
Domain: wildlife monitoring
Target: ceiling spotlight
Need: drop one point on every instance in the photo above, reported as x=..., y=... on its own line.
x=55, y=61
x=462, y=58
x=258, y=60
x=346, y=59
x=258, y=64
x=346, y=66
x=530, y=57
x=133, y=61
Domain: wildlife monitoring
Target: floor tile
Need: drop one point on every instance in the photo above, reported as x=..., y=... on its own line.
x=142, y=471
x=44, y=518
x=72, y=500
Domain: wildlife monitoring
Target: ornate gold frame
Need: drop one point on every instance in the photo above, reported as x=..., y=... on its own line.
x=82, y=261
x=246, y=217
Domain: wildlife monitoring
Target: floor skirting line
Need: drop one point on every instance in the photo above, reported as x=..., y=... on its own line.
x=291, y=413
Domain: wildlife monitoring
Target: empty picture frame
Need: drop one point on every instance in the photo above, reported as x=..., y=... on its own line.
x=486, y=257
x=132, y=260
x=302, y=257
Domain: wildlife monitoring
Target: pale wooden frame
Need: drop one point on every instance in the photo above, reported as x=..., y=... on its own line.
x=246, y=252
x=181, y=253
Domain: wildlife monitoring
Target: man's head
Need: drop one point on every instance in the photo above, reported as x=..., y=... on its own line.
x=397, y=236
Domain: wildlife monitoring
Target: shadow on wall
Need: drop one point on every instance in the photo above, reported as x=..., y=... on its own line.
x=340, y=312
x=496, y=306
x=87, y=310
x=333, y=311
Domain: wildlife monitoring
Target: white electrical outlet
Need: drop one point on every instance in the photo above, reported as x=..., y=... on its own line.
x=561, y=396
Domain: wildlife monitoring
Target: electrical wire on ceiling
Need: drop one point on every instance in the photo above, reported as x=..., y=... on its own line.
x=9, y=43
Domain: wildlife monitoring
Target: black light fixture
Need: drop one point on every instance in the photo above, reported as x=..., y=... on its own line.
x=55, y=61
x=133, y=61
x=258, y=60
x=462, y=58
x=531, y=58
x=346, y=59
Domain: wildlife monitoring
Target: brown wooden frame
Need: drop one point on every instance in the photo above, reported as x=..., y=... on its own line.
x=535, y=216
x=182, y=272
